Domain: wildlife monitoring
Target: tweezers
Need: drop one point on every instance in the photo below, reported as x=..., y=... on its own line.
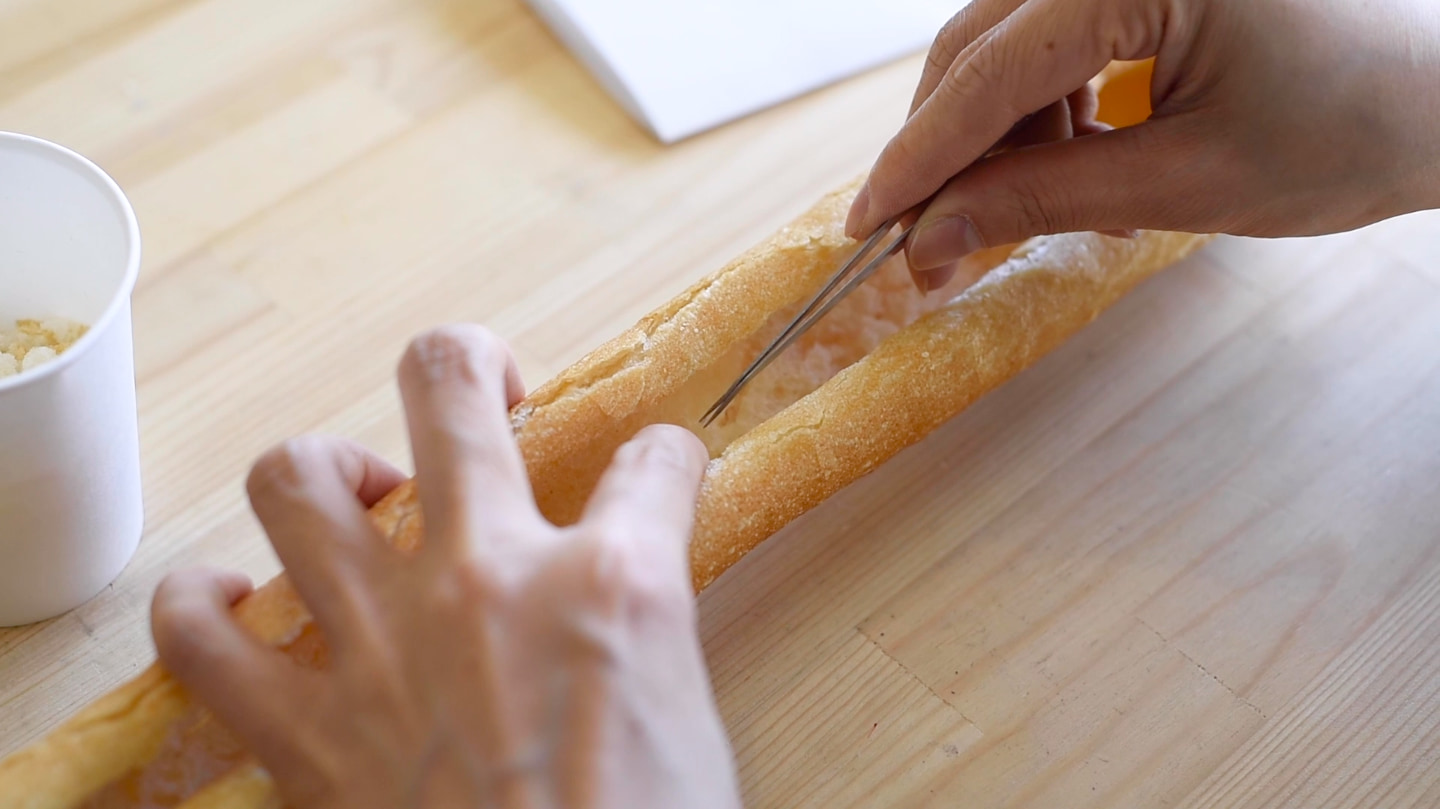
x=821, y=304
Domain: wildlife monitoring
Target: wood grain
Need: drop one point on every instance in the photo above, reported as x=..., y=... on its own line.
x=1191, y=559
x=1359, y=732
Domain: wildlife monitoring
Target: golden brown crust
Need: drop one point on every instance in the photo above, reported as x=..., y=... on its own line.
x=97, y=745
x=128, y=726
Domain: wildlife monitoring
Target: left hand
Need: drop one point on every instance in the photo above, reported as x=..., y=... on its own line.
x=507, y=663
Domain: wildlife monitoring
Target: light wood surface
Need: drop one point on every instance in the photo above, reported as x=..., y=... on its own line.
x=1191, y=559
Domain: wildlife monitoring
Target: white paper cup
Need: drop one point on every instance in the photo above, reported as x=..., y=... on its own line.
x=71, y=512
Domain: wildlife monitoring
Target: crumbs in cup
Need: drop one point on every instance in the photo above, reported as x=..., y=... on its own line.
x=33, y=343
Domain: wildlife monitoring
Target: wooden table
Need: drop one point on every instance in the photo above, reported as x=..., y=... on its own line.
x=1191, y=559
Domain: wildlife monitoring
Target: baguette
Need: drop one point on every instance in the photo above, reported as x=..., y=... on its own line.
x=887, y=367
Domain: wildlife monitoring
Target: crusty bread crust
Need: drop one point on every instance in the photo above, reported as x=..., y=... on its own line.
x=666, y=368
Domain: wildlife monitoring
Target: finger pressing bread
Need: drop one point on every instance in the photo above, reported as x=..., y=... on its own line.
x=458, y=383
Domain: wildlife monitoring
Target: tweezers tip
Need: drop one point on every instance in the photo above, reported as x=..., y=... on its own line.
x=784, y=339
x=715, y=410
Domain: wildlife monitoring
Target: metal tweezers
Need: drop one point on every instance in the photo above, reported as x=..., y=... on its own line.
x=822, y=303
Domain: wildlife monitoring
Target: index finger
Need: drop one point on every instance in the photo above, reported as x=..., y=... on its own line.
x=1036, y=56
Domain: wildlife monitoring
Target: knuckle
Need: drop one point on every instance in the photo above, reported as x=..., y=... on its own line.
x=474, y=583
x=977, y=79
x=286, y=467
x=956, y=82
x=457, y=351
x=979, y=70
x=955, y=36
x=626, y=584
x=943, y=49
x=180, y=626
x=1034, y=210
x=938, y=60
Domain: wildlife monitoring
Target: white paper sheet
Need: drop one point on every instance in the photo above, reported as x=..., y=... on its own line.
x=680, y=67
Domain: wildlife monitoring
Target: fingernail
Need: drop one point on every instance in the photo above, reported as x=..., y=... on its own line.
x=858, y=209
x=921, y=280
x=938, y=278
x=665, y=444
x=943, y=241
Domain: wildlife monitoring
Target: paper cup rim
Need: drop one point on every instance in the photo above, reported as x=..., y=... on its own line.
x=127, y=283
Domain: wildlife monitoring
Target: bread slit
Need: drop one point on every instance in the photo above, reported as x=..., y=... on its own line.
x=885, y=304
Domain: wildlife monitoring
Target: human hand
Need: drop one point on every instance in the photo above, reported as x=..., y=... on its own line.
x=508, y=662
x=1271, y=118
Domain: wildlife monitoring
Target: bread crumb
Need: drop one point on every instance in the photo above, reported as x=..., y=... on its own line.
x=37, y=356
x=32, y=343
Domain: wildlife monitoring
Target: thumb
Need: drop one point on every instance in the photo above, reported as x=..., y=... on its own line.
x=1153, y=175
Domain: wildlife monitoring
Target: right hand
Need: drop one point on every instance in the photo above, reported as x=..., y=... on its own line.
x=1271, y=118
